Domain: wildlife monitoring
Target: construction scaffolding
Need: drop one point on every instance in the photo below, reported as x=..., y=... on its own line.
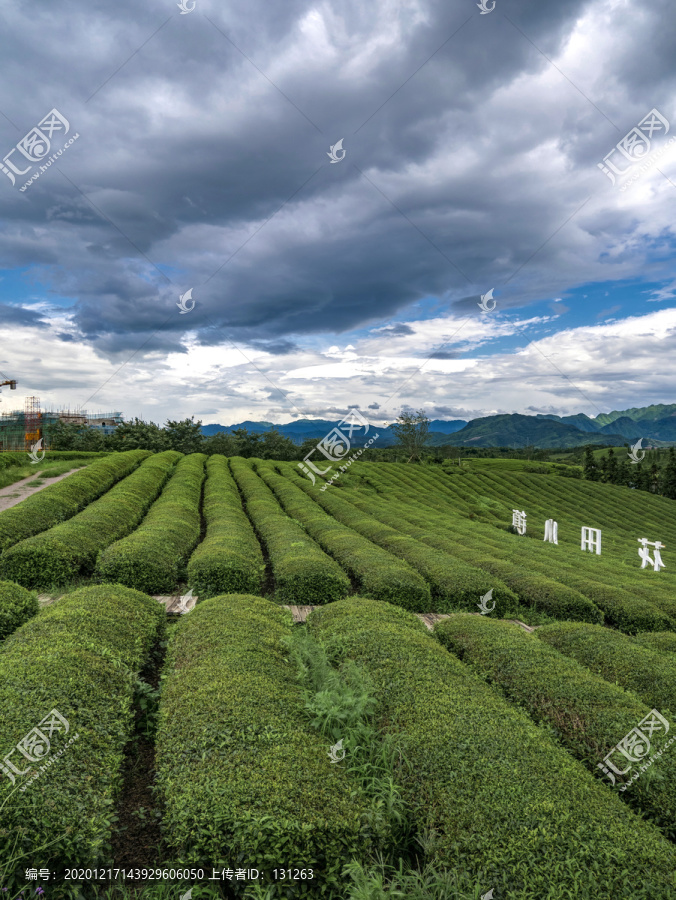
x=32, y=421
x=21, y=429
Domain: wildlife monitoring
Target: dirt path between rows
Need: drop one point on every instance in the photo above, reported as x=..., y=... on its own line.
x=15, y=493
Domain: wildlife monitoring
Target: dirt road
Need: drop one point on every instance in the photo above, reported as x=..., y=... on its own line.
x=18, y=491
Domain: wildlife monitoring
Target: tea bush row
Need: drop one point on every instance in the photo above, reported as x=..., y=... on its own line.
x=242, y=774
x=588, y=714
x=505, y=802
x=658, y=640
x=377, y=573
x=59, y=555
x=453, y=583
x=622, y=608
x=532, y=590
x=153, y=558
x=303, y=573
x=17, y=605
x=229, y=559
x=81, y=657
x=650, y=674
x=64, y=499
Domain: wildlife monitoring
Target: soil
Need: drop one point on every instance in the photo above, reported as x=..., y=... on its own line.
x=137, y=837
x=15, y=493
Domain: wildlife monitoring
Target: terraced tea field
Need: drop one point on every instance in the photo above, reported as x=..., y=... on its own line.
x=358, y=755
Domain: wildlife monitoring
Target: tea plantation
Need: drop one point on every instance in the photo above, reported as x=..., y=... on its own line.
x=249, y=748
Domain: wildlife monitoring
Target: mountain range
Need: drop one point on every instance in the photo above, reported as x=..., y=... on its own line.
x=655, y=424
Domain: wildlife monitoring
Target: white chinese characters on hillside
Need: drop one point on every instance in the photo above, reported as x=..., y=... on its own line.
x=551, y=531
x=644, y=553
x=591, y=540
x=519, y=520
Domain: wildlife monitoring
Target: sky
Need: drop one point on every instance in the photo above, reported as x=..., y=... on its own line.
x=332, y=188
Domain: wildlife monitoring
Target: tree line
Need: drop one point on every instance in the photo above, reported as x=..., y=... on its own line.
x=642, y=476
x=411, y=430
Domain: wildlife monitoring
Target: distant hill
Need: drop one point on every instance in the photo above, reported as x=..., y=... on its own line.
x=303, y=429
x=656, y=423
x=514, y=430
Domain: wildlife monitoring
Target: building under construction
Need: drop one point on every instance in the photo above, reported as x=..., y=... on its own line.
x=21, y=429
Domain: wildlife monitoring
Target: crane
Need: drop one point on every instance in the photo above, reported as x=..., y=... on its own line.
x=11, y=383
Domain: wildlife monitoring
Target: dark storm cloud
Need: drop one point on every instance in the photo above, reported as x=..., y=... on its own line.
x=392, y=330
x=16, y=315
x=446, y=354
x=193, y=170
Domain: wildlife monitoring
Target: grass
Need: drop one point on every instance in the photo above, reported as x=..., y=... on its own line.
x=12, y=474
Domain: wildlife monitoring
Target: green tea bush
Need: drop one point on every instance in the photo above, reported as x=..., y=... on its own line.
x=60, y=501
x=536, y=590
x=303, y=573
x=454, y=584
x=70, y=549
x=17, y=605
x=11, y=458
x=153, y=558
x=658, y=640
x=506, y=803
x=80, y=657
x=242, y=774
x=587, y=714
x=621, y=609
x=78, y=454
x=229, y=559
x=650, y=674
x=378, y=574
x=540, y=579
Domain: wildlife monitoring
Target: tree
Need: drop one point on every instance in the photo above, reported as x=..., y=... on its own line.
x=591, y=470
x=222, y=442
x=185, y=436
x=642, y=478
x=138, y=435
x=412, y=432
x=624, y=474
x=654, y=479
x=62, y=435
x=612, y=471
x=669, y=480
x=70, y=436
x=276, y=446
